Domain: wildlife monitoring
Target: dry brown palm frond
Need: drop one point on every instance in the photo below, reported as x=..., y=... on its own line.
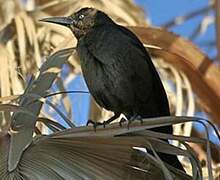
x=5, y=85
x=118, y=10
x=217, y=24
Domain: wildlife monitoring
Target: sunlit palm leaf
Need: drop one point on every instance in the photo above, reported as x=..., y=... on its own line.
x=82, y=153
x=23, y=125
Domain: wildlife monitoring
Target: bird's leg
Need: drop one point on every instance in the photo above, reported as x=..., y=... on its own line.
x=95, y=124
x=122, y=120
x=135, y=117
x=116, y=115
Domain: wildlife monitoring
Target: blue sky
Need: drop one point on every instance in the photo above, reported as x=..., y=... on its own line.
x=161, y=11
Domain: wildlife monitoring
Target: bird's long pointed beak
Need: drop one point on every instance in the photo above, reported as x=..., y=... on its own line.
x=65, y=21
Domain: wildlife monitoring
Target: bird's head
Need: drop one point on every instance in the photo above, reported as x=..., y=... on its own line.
x=81, y=21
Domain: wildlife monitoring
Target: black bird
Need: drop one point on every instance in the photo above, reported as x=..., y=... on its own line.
x=117, y=69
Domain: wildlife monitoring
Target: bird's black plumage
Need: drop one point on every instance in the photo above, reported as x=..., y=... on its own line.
x=117, y=69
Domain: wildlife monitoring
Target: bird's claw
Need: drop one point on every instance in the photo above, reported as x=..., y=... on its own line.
x=96, y=124
x=122, y=120
x=133, y=118
x=104, y=123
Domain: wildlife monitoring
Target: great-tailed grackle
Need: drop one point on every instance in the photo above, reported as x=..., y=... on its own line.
x=117, y=69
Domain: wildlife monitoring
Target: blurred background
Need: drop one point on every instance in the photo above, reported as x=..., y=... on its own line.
x=189, y=35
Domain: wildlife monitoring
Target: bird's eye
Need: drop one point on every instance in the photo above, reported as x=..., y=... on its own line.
x=81, y=16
